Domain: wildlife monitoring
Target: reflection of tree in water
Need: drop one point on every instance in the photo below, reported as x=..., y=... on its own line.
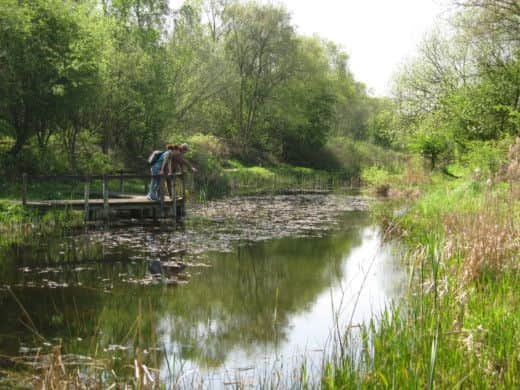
x=247, y=298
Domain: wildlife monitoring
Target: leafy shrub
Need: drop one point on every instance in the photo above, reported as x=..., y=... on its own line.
x=208, y=154
x=375, y=176
x=487, y=156
x=433, y=144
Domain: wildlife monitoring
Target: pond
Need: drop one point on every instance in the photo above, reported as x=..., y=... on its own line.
x=254, y=290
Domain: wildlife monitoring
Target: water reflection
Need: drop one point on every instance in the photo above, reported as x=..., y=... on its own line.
x=259, y=307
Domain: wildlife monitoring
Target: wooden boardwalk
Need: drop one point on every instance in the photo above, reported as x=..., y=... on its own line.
x=124, y=201
x=115, y=205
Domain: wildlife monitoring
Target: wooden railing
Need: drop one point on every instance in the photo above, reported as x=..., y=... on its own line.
x=121, y=176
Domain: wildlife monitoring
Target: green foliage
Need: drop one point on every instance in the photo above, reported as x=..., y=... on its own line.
x=487, y=156
x=208, y=154
x=461, y=92
x=12, y=213
x=376, y=176
x=432, y=144
x=93, y=85
x=51, y=66
x=350, y=156
x=383, y=125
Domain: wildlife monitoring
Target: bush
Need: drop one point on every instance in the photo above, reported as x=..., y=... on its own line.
x=376, y=176
x=487, y=156
x=208, y=154
x=432, y=144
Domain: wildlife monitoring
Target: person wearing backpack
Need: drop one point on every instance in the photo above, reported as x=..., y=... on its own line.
x=178, y=164
x=160, y=165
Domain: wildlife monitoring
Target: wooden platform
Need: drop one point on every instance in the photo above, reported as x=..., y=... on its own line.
x=113, y=205
x=127, y=201
x=135, y=206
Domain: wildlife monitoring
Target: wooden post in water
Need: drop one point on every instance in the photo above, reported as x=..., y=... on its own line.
x=106, y=205
x=24, y=189
x=173, y=191
x=161, y=196
x=86, y=199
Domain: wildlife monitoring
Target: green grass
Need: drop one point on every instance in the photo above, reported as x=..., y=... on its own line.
x=449, y=331
x=257, y=179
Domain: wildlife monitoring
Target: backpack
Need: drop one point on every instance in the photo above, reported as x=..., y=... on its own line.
x=154, y=156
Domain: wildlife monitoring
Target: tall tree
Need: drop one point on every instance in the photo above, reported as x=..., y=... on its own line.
x=50, y=64
x=261, y=44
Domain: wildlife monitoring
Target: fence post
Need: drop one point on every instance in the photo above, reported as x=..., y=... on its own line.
x=161, y=196
x=121, y=185
x=24, y=189
x=106, y=205
x=86, y=199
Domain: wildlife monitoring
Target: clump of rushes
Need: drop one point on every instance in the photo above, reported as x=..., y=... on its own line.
x=17, y=222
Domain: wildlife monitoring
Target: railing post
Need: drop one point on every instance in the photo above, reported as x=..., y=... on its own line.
x=161, y=196
x=183, y=206
x=86, y=199
x=24, y=189
x=106, y=205
x=121, y=185
x=173, y=191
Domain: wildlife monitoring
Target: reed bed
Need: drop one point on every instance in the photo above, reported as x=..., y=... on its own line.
x=457, y=327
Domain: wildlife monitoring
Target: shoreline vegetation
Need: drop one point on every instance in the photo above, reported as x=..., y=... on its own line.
x=457, y=326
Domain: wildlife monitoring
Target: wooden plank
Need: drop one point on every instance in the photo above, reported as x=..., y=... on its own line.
x=113, y=202
x=93, y=177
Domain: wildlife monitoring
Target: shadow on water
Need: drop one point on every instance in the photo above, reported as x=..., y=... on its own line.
x=241, y=307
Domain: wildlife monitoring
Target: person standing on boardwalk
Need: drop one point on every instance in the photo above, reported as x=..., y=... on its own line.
x=160, y=167
x=177, y=164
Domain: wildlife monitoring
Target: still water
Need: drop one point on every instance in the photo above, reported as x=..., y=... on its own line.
x=256, y=289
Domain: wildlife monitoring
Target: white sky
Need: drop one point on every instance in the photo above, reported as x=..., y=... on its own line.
x=378, y=35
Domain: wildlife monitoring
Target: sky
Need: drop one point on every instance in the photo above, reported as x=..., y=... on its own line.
x=378, y=35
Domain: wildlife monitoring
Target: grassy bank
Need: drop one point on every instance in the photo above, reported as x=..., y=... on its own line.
x=457, y=326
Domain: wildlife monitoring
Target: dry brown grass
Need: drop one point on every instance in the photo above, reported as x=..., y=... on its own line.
x=512, y=173
x=485, y=241
x=55, y=371
x=488, y=240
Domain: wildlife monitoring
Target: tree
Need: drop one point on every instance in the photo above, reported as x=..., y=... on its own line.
x=302, y=108
x=50, y=66
x=260, y=42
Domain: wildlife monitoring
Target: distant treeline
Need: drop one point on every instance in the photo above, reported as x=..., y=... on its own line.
x=86, y=85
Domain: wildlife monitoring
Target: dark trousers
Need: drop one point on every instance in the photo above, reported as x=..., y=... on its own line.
x=169, y=180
